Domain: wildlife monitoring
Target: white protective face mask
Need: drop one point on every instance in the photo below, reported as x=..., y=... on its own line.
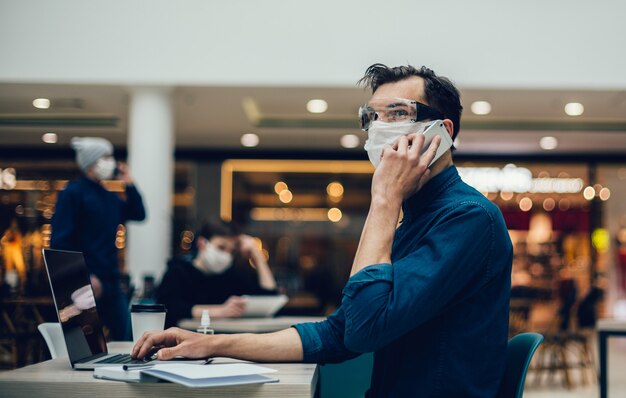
x=382, y=133
x=104, y=168
x=213, y=260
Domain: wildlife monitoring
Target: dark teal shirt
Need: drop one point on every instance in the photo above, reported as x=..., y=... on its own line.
x=436, y=318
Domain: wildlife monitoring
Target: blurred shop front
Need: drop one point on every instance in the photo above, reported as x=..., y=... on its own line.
x=565, y=219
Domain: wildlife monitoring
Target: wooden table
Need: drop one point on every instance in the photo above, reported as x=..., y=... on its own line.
x=249, y=325
x=348, y=379
x=55, y=378
x=606, y=328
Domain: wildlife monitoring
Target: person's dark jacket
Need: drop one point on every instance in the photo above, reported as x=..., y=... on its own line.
x=86, y=219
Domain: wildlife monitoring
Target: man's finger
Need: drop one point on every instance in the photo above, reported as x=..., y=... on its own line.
x=430, y=153
x=394, y=145
x=412, y=137
x=148, y=341
x=165, y=354
x=414, y=145
x=401, y=145
x=142, y=347
x=139, y=345
x=424, y=178
x=386, y=149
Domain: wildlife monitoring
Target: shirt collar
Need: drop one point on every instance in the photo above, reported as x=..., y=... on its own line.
x=430, y=191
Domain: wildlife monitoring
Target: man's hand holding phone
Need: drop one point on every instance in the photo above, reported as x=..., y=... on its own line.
x=402, y=170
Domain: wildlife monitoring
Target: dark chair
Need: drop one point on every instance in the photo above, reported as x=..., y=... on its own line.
x=567, y=342
x=519, y=352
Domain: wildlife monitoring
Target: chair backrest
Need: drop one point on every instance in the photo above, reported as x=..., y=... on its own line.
x=519, y=352
x=53, y=335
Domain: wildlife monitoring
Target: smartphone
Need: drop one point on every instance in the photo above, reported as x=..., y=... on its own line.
x=437, y=129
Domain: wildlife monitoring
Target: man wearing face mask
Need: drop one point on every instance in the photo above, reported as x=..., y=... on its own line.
x=86, y=219
x=430, y=298
x=215, y=275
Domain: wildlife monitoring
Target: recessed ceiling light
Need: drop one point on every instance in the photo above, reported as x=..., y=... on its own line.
x=280, y=186
x=604, y=194
x=548, y=143
x=250, y=140
x=480, y=108
x=549, y=204
x=50, y=138
x=350, y=141
x=525, y=204
x=589, y=193
x=506, y=195
x=334, y=189
x=285, y=196
x=334, y=214
x=317, y=106
x=41, y=103
x=574, y=109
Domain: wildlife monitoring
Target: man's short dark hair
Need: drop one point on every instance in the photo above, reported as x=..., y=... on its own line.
x=439, y=91
x=213, y=228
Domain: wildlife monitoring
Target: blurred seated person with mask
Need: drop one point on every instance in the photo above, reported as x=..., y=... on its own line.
x=215, y=275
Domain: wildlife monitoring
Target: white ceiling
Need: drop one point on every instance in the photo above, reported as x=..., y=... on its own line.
x=214, y=118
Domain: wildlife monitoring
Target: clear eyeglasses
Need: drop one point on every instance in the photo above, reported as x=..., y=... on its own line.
x=392, y=110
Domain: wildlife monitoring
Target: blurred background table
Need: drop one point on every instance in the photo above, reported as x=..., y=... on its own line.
x=250, y=325
x=606, y=328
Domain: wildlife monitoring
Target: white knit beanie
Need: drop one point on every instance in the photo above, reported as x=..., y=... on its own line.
x=90, y=149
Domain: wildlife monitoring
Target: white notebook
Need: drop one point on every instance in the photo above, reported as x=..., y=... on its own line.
x=116, y=373
x=213, y=375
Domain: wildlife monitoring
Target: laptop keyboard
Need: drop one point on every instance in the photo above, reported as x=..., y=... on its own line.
x=120, y=359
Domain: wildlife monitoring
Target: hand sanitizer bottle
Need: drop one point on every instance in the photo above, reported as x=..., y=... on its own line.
x=205, y=322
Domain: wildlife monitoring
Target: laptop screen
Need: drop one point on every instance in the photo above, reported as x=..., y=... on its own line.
x=75, y=304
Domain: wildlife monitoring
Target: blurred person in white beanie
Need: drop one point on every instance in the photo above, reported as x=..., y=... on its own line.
x=86, y=219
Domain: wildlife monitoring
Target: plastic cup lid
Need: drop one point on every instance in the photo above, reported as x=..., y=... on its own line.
x=148, y=308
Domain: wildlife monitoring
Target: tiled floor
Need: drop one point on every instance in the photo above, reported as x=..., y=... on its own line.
x=555, y=388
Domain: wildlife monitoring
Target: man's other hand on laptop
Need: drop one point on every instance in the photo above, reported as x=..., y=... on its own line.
x=174, y=342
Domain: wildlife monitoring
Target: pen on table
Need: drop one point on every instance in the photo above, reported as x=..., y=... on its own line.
x=144, y=365
x=136, y=366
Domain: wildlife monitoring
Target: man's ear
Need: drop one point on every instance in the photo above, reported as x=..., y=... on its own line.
x=449, y=126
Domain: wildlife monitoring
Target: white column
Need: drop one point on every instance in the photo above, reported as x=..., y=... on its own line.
x=151, y=162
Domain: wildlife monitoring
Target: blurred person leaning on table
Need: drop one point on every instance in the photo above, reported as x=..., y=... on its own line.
x=215, y=275
x=430, y=298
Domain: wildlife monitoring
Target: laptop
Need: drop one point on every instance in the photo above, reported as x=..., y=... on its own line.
x=76, y=308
